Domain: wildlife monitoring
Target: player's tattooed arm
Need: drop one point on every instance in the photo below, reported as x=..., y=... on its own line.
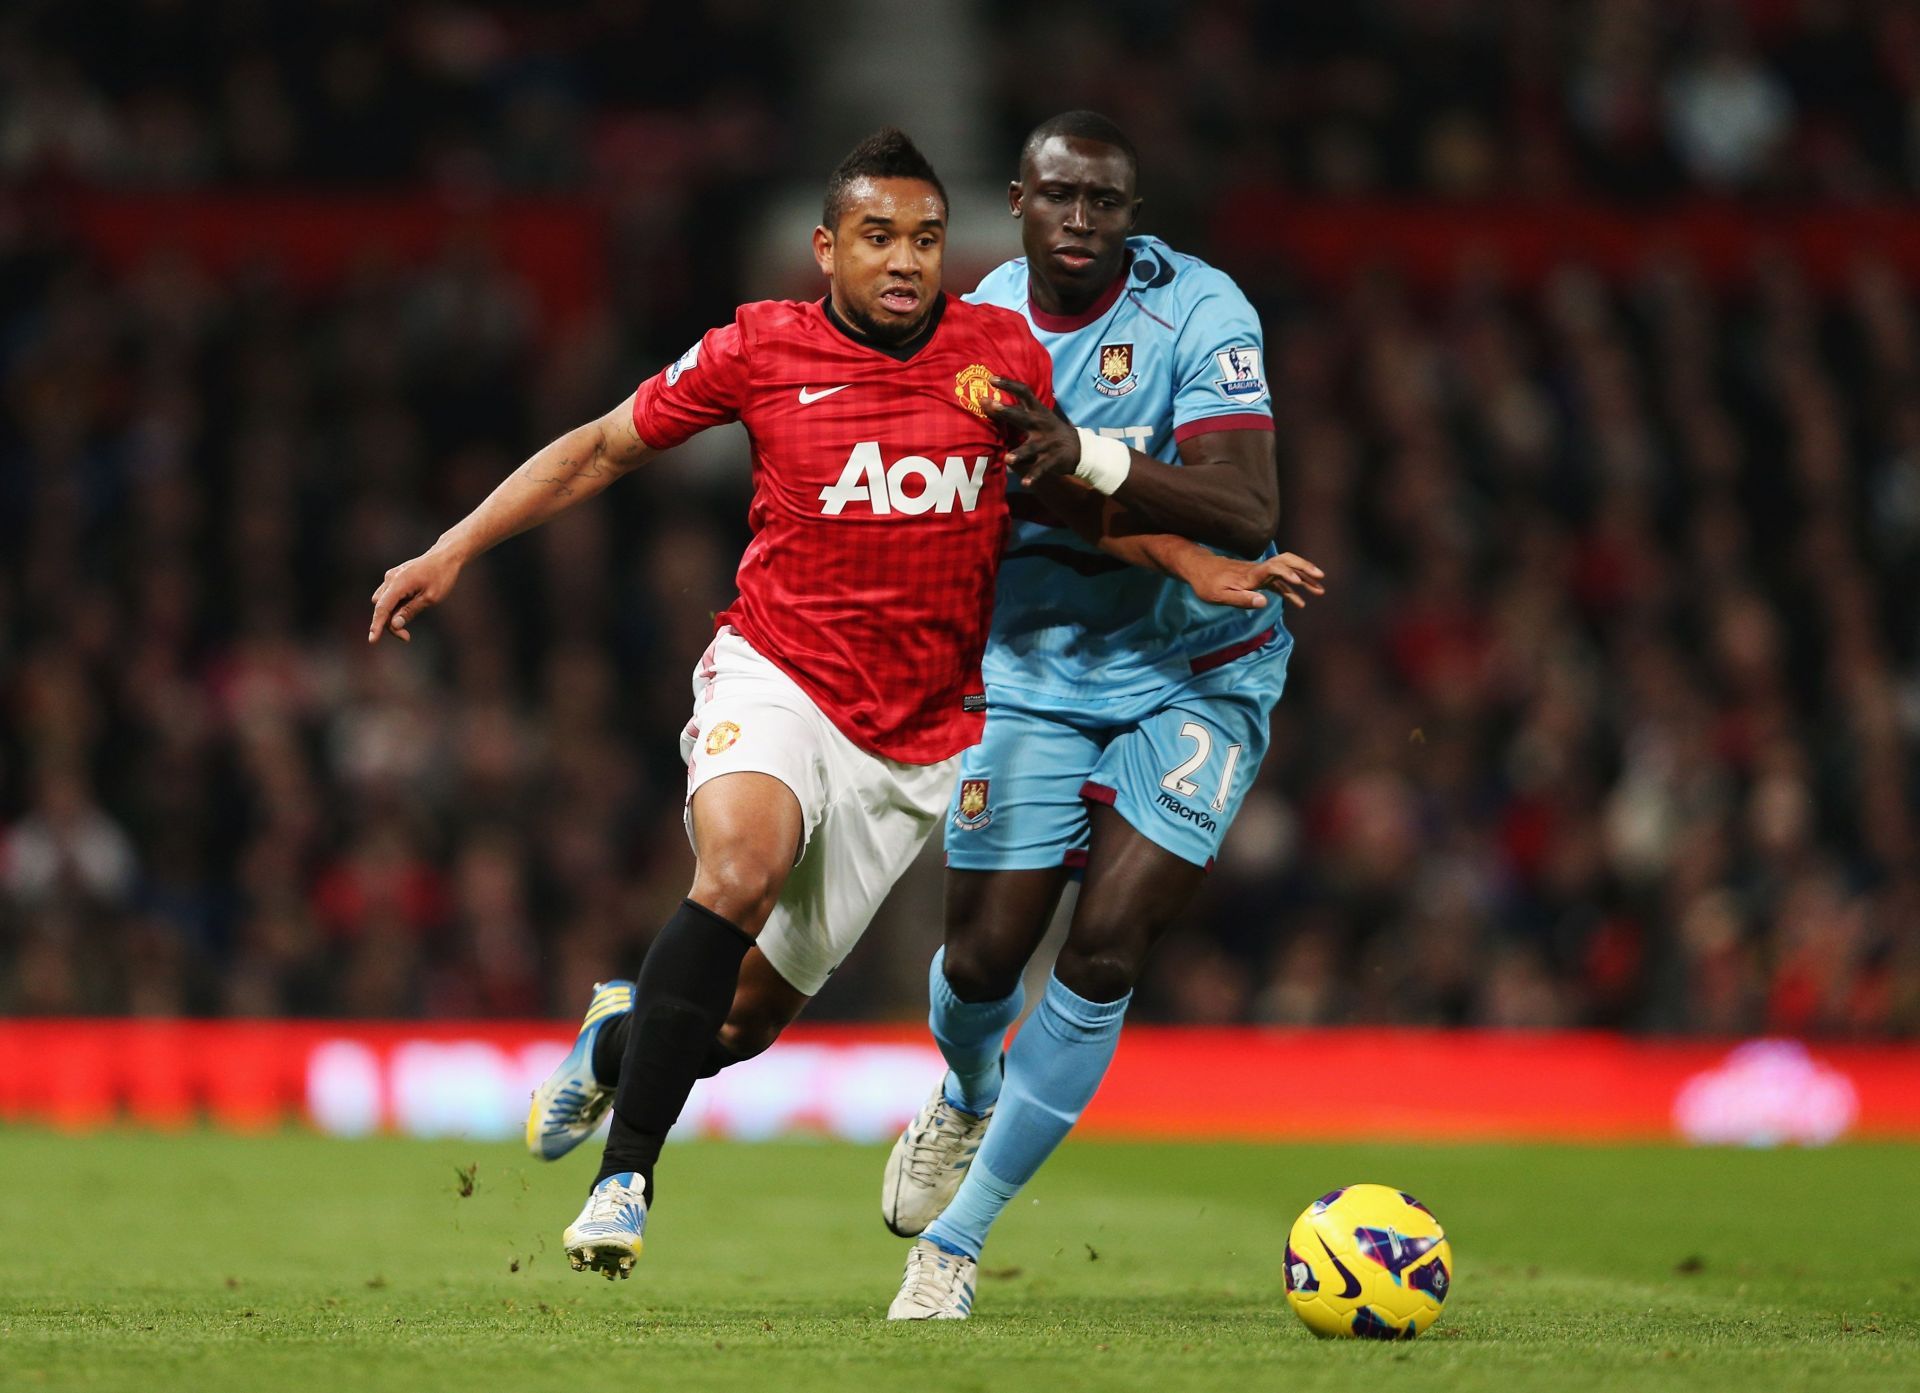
x=567, y=471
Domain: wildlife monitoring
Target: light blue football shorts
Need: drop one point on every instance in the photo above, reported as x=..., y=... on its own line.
x=1175, y=763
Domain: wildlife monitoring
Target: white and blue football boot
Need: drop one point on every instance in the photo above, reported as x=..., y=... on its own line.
x=938, y=1285
x=606, y=1236
x=570, y=1102
x=928, y=1162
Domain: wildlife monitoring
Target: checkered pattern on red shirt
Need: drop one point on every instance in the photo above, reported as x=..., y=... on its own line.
x=879, y=507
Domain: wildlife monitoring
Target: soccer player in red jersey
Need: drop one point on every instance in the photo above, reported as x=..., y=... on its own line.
x=841, y=685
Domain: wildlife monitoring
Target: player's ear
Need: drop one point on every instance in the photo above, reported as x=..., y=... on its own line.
x=1133, y=213
x=823, y=250
x=1014, y=194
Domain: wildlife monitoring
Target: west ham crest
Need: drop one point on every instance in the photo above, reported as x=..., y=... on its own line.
x=1115, y=376
x=974, y=813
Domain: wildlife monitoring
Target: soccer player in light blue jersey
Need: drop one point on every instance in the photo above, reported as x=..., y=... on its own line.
x=1126, y=718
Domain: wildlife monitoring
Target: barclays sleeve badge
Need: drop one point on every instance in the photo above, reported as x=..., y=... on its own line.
x=1240, y=376
x=682, y=363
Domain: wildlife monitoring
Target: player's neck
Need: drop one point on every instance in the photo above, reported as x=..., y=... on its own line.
x=1060, y=311
x=900, y=352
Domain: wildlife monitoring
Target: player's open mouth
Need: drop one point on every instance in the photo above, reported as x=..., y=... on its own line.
x=900, y=300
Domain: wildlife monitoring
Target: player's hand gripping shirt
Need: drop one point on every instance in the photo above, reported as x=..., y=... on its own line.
x=879, y=506
x=1173, y=351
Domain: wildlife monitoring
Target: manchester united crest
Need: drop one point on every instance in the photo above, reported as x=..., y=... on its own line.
x=974, y=386
x=1116, y=376
x=974, y=813
x=720, y=739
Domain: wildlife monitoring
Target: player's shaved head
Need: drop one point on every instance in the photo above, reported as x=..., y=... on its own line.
x=1078, y=125
x=886, y=154
x=1077, y=199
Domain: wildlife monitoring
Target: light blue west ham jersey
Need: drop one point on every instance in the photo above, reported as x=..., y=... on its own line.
x=1174, y=351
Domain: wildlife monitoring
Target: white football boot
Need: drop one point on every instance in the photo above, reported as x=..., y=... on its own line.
x=606, y=1236
x=570, y=1101
x=928, y=1162
x=938, y=1285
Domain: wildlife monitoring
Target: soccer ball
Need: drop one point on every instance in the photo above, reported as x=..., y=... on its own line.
x=1368, y=1261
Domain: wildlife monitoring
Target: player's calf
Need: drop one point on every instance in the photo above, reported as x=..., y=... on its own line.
x=1103, y=973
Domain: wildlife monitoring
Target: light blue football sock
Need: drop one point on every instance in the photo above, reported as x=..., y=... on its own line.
x=1056, y=1063
x=970, y=1034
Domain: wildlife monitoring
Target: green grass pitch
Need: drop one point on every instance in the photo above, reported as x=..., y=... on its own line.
x=290, y=1262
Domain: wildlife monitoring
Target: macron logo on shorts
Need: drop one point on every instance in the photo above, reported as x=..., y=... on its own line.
x=911, y=485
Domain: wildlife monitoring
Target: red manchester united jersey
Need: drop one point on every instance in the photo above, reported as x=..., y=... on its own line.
x=879, y=505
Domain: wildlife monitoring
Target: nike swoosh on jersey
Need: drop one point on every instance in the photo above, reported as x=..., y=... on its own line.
x=808, y=396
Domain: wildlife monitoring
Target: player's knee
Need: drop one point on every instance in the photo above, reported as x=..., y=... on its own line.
x=1102, y=973
x=974, y=974
x=740, y=888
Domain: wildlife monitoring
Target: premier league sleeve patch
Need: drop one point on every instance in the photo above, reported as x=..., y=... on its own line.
x=682, y=363
x=1241, y=378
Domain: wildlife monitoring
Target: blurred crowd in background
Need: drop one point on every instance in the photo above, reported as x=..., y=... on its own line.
x=1475, y=99
x=1608, y=718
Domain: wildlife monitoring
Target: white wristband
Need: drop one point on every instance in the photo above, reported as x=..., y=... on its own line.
x=1104, y=461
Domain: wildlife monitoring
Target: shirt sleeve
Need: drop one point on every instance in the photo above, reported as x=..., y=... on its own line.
x=1218, y=356
x=705, y=386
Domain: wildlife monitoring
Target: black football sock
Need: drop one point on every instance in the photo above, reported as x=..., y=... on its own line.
x=718, y=1057
x=610, y=1047
x=680, y=1001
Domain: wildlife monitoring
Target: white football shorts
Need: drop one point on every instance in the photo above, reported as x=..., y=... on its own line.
x=865, y=816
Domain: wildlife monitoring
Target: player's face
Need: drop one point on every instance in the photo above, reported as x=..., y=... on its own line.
x=883, y=260
x=1076, y=203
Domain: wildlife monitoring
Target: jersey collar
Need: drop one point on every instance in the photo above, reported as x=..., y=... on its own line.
x=899, y=352
x=1066, y=323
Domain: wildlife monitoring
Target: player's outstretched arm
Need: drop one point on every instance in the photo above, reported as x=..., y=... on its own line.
x=1217, y=579
x=1225, y=491
x=1227, y=580
x=568, y=471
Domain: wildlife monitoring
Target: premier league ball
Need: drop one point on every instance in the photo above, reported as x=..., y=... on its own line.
x=1368, y=1261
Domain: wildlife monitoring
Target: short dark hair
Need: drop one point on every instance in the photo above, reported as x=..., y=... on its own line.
x=1080, y=125
x=886, y=154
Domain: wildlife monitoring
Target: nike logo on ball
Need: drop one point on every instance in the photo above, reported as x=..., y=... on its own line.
x=808, y=396
x=1353, y=1282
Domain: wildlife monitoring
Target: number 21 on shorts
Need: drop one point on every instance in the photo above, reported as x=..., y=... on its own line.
x=1175, y=780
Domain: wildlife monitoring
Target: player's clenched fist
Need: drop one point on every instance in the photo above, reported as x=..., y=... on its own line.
x=408, y=590
x=1048, y=444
